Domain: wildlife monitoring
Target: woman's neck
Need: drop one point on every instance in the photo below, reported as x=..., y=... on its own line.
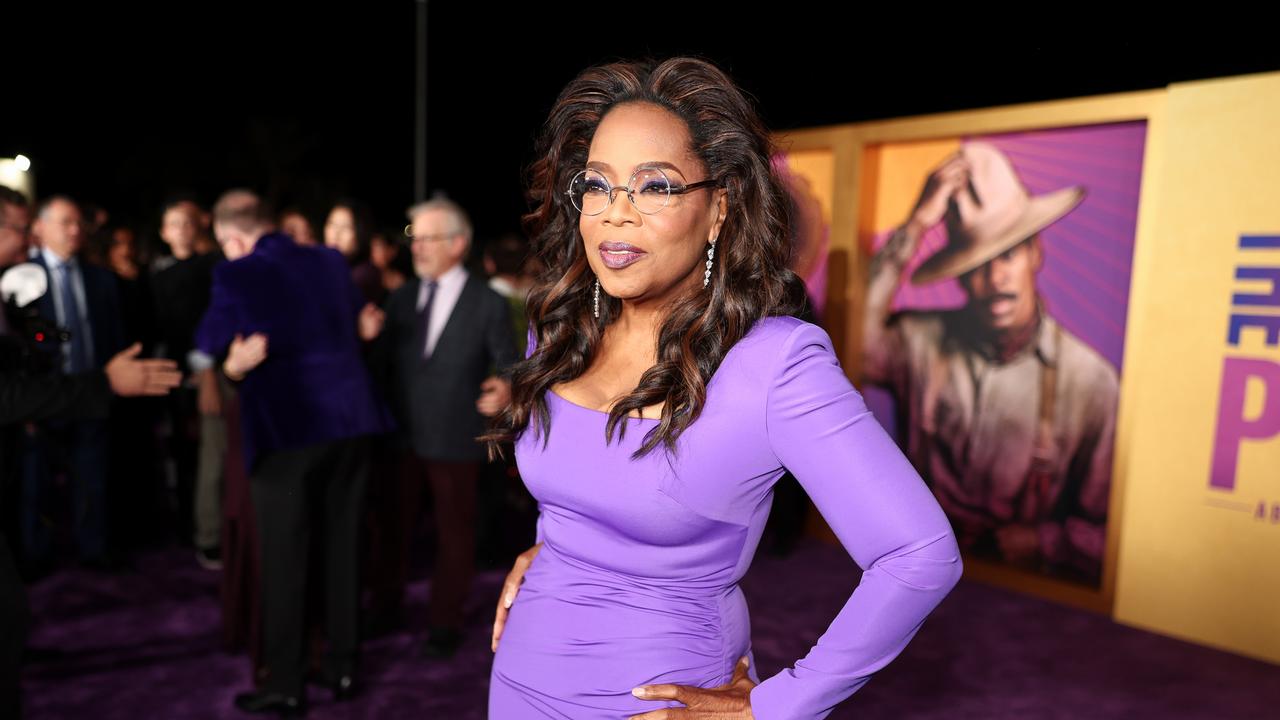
x=638, y=318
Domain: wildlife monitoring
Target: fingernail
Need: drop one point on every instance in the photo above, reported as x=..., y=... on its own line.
x=639, y=692
x=508, y=600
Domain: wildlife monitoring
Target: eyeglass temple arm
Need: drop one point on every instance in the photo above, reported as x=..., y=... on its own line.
x=682, y=189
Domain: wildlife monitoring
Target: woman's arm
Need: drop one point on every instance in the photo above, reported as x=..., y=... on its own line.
x=880, y=509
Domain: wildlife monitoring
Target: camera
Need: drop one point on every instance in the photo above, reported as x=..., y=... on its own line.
x=33, y=344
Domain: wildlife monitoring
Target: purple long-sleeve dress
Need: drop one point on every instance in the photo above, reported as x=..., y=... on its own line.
x=637, y=580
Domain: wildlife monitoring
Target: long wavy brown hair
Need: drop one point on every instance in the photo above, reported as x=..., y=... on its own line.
x=750, y=278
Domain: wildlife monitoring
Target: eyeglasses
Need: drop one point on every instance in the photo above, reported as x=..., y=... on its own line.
x=427, y=237
x=649, y=190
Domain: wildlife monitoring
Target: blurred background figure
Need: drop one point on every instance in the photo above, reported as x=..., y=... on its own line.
x=84, y=300
x=294, y=223
x=197, y=432
x=348, y=230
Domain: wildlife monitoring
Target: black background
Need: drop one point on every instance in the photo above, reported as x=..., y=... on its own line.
x=305, y=103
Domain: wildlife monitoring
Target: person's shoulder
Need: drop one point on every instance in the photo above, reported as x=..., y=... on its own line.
x=162, y=264
x=409, y=288
x=101, y=278
x=776, y=335
x=366, y=272
x=480, y=285
x=97, y=272
x=775, y=328
x=406, y=294
x=164, y=268
x=773, y=349
x=209, y=260
x=232, y=271
x=1077, y=359
x=284, y=246
x=330, y=255
x=231, y=268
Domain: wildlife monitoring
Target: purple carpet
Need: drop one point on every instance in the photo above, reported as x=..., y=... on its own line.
x=147, y=644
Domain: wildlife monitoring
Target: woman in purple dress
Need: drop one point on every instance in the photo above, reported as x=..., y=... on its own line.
x=666, y=388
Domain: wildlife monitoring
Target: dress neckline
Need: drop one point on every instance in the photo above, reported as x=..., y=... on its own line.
x=571, y=403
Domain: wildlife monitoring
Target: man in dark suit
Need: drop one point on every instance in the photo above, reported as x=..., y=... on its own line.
x=28, y=395
x=27, y=398
x=81, y=299
x=307, y=409
x=446, y=339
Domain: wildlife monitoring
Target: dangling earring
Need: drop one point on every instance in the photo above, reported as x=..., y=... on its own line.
x=597, y=298
x=706, y=277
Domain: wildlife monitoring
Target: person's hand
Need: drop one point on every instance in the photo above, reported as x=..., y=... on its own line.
x=495, y=395
x=731, y=701
x=941, y=185
x=208, y=398
x=371, y=321
x=245, y=355
x=509, y=589
x=129, y=376
x=1019, y=544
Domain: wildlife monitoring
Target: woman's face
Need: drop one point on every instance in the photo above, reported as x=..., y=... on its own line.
x=381, y=252
x=298, y=227
x=649, y=259
x=121, y=252
x=340, y=231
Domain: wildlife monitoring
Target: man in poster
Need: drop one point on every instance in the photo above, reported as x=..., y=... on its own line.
x=1006, y=414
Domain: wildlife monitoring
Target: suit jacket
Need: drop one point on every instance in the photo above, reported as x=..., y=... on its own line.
x=181, y=297
x=435, y=399
x=102, y=304
x=313, y=387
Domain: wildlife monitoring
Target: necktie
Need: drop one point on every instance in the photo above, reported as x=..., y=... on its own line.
x=426, y=318
x=74, y=320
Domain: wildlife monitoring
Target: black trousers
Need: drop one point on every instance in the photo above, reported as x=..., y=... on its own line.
x=296, y=492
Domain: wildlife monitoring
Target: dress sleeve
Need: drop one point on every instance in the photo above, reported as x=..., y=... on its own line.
x=821, y=430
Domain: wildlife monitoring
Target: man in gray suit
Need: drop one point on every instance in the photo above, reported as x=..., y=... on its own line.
x=446, y=339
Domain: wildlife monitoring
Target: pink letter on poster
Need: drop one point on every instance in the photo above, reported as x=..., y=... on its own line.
x=1233, y=426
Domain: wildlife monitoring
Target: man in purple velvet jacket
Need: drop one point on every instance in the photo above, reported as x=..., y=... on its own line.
x=307, y=411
